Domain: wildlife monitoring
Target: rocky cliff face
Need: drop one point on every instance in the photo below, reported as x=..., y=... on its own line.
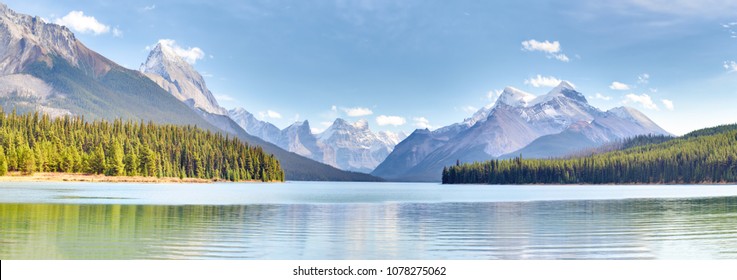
x=353, y=146
x=255, y=127
x=25, y=40
x=180, y=79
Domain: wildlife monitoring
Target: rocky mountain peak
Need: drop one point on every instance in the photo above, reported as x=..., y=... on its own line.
x=569, y=91
x=515, y=97
x=179, y=78
x=26, y=39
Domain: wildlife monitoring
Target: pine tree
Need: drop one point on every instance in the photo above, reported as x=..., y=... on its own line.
x=34, y=142
x=3, y=162
x=115, y=164
x=131, y=164
x=97, y=160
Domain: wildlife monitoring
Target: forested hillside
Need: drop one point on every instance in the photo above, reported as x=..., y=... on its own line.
x=704, y=156
x=36, y=143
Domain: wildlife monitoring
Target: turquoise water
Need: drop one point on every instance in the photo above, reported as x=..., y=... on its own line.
x=327, y=220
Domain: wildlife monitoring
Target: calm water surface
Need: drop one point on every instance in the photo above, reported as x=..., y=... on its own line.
x=300, y=220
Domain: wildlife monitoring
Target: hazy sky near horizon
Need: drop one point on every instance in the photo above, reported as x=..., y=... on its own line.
x=403, y=65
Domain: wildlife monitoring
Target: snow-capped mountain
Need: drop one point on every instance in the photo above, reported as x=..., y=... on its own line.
x=298, y=138
x=344, y=145
x=517, y=119
x=175, y=75
x=353, y=146
x=253, y=126
x=44, y=68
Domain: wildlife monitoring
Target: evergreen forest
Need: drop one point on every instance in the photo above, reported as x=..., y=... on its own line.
x=33, y=142
x=704, y=156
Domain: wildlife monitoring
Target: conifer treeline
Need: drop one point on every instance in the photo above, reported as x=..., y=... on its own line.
x=36, y=143
x=708, y=156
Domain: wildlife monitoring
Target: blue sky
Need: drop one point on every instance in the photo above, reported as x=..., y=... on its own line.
x=403, y=65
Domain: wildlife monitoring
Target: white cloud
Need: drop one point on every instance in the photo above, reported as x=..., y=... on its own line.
x=469, y=109
x=561, y=57
x=602, y=97
x=77, y=21
x=270, y=114
x=149, y=8
x=117, y=32
x=546, y=46
x=357, y=111
x=190, y=55
x=730, y=66
x=642, y=99
x=422, y=122
x=540, y=81
x=644, y=78
x=334, y=108
x=619, y=86
x=668, y=104
x=551, y=48
x=383, y=120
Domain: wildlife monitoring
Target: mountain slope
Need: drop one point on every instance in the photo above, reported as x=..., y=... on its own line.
x=709, y=157
x=47, y=69
x=616, y=124
x=178, y=77
x=353, y=146
x=181, y=80
x=541, y=126
x=344, y=145
x=298, y=138
x=55, y=73
x=253, y=126
x=296, y=167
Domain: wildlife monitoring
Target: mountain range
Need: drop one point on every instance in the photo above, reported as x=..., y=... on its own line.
x=351, y=147
x=43, y=67
x=517, y=124
x=344, y=145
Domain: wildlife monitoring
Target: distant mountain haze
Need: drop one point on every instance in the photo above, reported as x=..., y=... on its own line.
x=344, y=145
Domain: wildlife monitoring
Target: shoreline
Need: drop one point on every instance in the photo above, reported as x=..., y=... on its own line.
x=81, y=177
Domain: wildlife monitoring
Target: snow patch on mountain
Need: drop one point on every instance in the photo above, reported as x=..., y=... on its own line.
x=514, y=121
x=344, y=145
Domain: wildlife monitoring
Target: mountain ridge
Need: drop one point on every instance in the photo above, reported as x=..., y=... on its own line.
x=517, y=119
x=182, y=81
x=50, y=71
x=343, y=145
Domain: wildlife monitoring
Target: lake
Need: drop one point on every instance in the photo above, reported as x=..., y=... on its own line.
x=333, y=220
